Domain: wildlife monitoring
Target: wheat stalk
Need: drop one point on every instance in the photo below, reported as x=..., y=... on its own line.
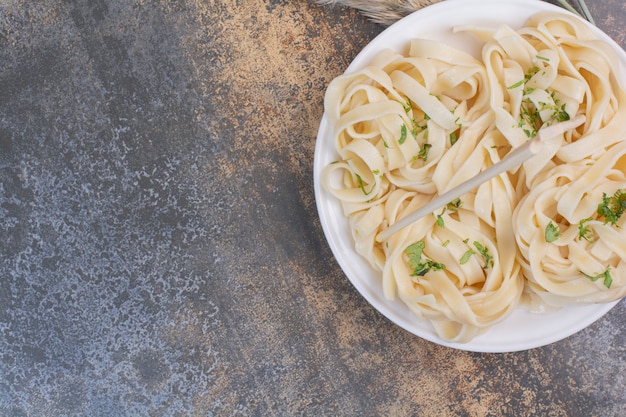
x=583, y=6
x=387, y=12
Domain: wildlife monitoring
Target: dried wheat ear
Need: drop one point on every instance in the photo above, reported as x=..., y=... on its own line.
x=387, y=12
x=384, y=12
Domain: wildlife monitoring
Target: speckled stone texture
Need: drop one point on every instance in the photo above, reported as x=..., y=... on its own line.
x=160, y=251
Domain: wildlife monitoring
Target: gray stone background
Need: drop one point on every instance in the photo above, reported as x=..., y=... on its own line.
x=160, y=251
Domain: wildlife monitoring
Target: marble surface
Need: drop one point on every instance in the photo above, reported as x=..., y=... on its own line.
x=160, y=250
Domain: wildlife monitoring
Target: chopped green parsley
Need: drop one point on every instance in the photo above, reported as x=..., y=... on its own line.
x=466, y=256
x=440, y=221
x=612, y=208
x=552, y=232
x=453, y=138
x=408, y=105
x=421, y=266
x=362, y=186
x=531, y=71
x=423, y=153
x=607, y=279
x=584, y=232
x=485, y=254
x=402, y=135
x=454, y=205
x=530, y=114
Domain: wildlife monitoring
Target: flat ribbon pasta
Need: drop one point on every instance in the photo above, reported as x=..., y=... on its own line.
x=411, y=126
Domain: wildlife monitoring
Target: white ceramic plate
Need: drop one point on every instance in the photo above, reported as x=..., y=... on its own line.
x=520, y=331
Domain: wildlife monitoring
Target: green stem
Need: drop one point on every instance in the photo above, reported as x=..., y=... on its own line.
x=586, y=11
x=568, y=6
x=586, y=14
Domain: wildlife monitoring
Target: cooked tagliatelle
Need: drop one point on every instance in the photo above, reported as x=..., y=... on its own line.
x=411, y=126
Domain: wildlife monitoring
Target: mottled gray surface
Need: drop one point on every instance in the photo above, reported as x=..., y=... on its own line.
x=160, y=248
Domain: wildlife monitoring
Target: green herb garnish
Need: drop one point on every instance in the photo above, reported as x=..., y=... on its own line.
x=485, y=254
x=530, y=116
x=552, y=232
x=414, y=252
x=416, y=128
x=562, y=115
x=530, y=119
x=466, y=256
x=531, y=71
x=453, y=138
x=408, y=105
x=612, y=208
x=584, y=232
x=606, y=277
x=423, y=153
x=440, y=221
x=454, y=205
x=402, y=135
x=362, y=186
x=528, y=91
x=558, y=109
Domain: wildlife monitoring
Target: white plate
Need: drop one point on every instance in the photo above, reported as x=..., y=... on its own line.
x=520, y=331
